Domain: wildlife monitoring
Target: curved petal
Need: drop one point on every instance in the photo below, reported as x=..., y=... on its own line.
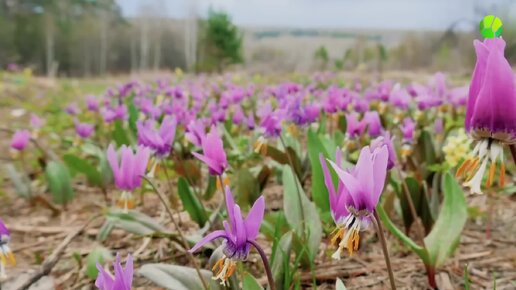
x=212, y=164
x=113, y=162
x=254, y=218
x=328, y=181
x=104, y=279
x=120, y=281
x=476, y=79
x=381, y=158
x=210, y=237
x=129, y=270
x=230, y=206
x=240, y=231
x=364, y=170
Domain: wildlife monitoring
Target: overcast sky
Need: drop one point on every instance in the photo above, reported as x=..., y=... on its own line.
x=388, y=14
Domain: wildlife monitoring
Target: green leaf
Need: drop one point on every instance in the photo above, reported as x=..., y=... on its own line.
x=445, y=235
x=297, y=206
x=386, y=221
x=83, y=166
x=246, y=187
x=133, y=117
x=176, y=277
x=134, y=222
x=319, y=190
x=105, y=230
x=250, y=283
x=59, y=182
x=339, y=285
x=97, y=255
x=191, y=203
x=283, y=248
x=20, y=181
x=120, y=134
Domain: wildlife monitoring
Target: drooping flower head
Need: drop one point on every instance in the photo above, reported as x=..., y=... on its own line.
x=490, y=114
x=356, y=197
x=6, y=255
x=92, y=104
x=387, y=140
x=214, y=155
x=20, y=140
x=160, y=141
x=408, y=129
x=373, y=123
x=195, y=132
x=237, y=234
x=123, y=278
x=36, y=122
x=128, y=168
x=84, y=130
x=354, y=127
x=72, y=109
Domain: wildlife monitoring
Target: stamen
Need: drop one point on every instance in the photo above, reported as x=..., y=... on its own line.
x=502, y=174
x=126, y=201
x=338, y=234
x=224, y=269
x=475, y=182
x=490, y=177
x=461, y=169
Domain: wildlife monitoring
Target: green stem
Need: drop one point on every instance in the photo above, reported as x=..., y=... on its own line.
x=183, y=239
x=385, y=250
x=169, y=184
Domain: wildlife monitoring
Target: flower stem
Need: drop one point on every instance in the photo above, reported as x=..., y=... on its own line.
x=294, y=174
x=173, y=199
x=183, y=239
x=385, y=250
x=265, y=264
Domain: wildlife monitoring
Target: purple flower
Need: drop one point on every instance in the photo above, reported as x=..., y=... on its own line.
x=195, y=132
x=490, y=114
x=387, y=140
x=92, y=103
x=357, y=195
x=36, y=122
x=128, y=169
x=6, y=255
x=20, y=140
x=122, y=280
x=237, y=234
x=214, y=155
x=84, y=130
x=373, y=122
x=72, y=109
x=12, y=67
x=353, y=126
x=407, y=129
x=160, y=141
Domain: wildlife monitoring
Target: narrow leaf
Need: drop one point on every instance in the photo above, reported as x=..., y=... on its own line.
x=191, y=203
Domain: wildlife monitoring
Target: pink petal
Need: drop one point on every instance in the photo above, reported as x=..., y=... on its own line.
x=254, y=218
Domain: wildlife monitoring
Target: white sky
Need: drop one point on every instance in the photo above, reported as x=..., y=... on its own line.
x=388, y=14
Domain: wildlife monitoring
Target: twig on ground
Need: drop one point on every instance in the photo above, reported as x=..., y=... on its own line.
x=52, y=260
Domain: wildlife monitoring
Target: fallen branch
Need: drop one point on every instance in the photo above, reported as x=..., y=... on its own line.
x=52, y=260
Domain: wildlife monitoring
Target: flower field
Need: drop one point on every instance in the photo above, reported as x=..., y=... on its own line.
x=240, y=181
